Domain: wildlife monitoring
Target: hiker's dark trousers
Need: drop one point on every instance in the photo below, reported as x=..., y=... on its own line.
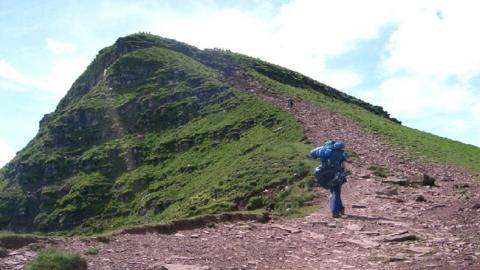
x=336, y=205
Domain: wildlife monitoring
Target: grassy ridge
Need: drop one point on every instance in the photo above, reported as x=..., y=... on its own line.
x=419, y=143
x=159, y=136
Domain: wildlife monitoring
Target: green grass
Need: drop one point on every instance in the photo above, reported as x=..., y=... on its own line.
x=56, y=259
x=91, y=251
x=378, y=171
x=418, y=143
x=213, y=175
x=228, y=158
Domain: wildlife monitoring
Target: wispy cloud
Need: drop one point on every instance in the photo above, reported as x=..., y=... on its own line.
x=9, y=73
x=61, y=74
x=59, y=46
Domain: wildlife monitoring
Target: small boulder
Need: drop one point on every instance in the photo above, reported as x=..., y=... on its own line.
x=400, y=237
x=476, y=206
x=396, y=181
x=428, y=180
x=420, y=198
x=183, y=267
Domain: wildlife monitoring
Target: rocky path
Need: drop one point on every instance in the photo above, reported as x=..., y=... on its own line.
x=391, y=223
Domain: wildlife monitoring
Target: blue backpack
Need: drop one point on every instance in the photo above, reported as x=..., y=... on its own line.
x=330, y=173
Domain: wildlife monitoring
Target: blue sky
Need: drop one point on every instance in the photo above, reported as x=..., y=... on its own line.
x=417, y=59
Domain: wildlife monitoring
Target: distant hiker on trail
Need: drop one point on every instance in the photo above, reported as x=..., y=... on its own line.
x=290, y=102
x=330, y=174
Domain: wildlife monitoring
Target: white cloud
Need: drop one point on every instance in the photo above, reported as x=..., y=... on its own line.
x=8, y=72
x=58, y=79
x=476, y=110
x=410, y=95
x=60, y=47
x=62, y=74
x=441, y=46
x=6, y=153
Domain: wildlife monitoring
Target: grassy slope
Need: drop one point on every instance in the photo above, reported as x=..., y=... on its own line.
x=417, y=142
x=238, y=154
x=214, y=175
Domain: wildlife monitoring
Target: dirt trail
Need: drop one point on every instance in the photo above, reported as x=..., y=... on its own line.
x=388, y=226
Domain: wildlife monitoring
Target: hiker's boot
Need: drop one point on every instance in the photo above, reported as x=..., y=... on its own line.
x=335, y=215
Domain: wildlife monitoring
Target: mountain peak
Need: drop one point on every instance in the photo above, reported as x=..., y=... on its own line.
x=156, y=130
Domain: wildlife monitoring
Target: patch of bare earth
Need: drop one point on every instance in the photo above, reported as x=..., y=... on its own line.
x=391, y=223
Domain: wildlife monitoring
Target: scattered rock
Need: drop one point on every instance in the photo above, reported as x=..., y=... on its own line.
x=396, y=181
x=363, y=243
x=388, y=191
x=354, y=227
x=420, y=250
x=372, y=233
x=399, y=200
x=420, y=198
x=395, y=223
x=103, y=239
x=12, y=263
x=400, y=237
x=331, y=225
x=358, y=206
x=183, y=267
x=437, y=206
x=285, y=228
x=316, y=236
x=195, y=236
x=29, y=254
x=461, y=185
x=476, y=206
x=396, y=258
x=364, y=174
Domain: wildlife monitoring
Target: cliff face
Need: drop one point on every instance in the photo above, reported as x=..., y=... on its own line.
x=153, y=130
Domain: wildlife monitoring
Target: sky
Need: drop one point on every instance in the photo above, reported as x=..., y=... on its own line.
x=420, y=60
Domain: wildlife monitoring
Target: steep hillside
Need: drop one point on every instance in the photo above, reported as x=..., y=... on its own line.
x=156, y=130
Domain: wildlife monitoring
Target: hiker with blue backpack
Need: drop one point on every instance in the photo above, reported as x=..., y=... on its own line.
x=330, y=174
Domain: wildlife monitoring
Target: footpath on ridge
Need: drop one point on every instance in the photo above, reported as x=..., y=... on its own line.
x=390, y=223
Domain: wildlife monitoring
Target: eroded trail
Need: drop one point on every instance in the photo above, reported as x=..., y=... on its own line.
x=388, y=225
